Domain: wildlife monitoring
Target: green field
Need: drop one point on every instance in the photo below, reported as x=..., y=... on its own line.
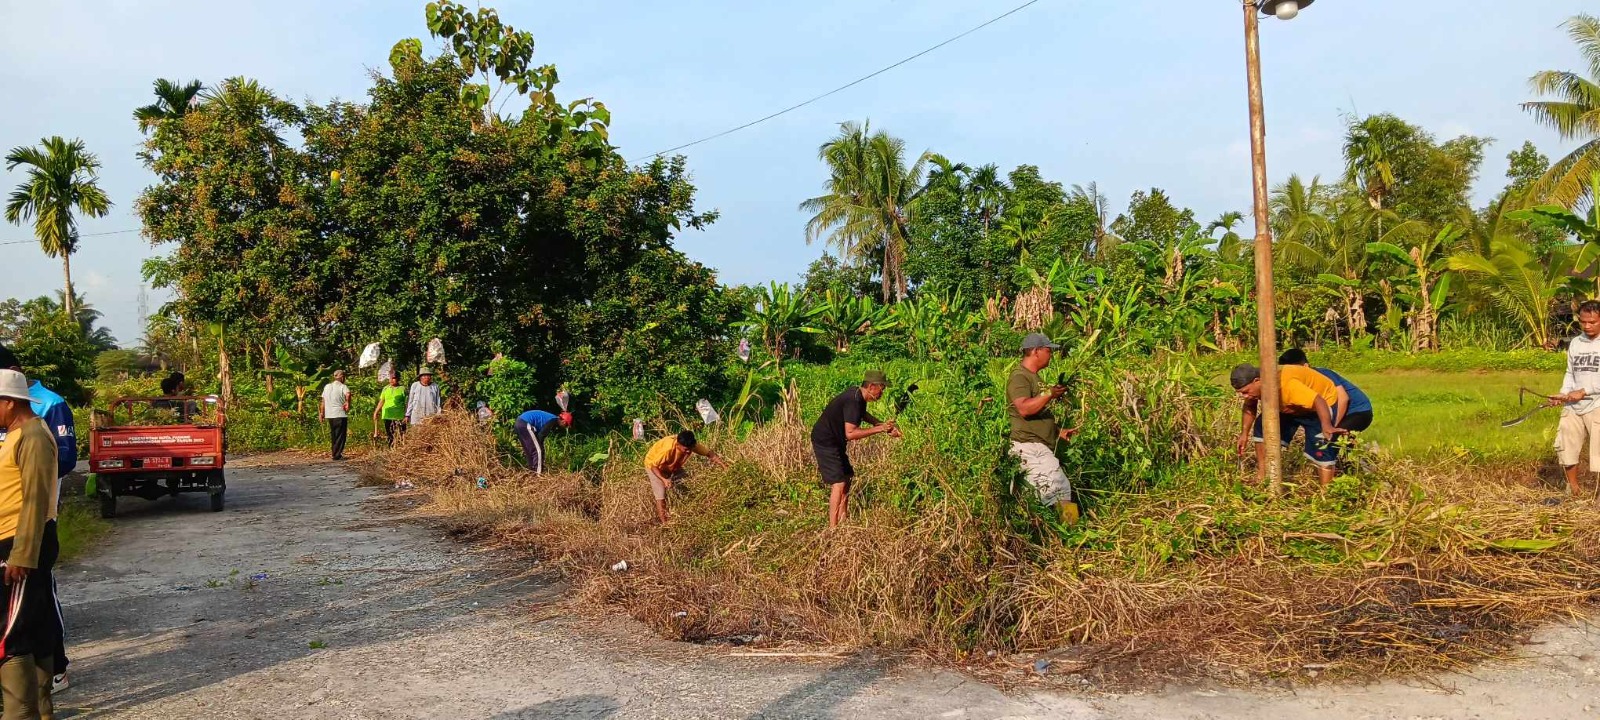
x=1421, y=413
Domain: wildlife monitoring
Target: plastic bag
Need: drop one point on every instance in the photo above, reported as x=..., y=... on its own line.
x=369, y=356
x=435, y=354
x=744, y=350
x=386, y=371
x=484, y=413
x=707, y=413
x=562, y=399
x=638, y=428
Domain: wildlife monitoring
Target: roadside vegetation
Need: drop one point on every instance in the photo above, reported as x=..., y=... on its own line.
x=459, y=200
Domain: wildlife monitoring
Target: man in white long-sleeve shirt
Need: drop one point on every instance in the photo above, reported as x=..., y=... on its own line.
x=1580, y=393
x=422, y=401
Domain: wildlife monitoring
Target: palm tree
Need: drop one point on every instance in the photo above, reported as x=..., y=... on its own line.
x=1104, y=240
x=172, y=101
x=871, y=195
x=1367, y=159
x=1585, y=228
x=1574, y=113
x=62, y=176
x=1231, y=246
x=986, y=194
x=1523, y=284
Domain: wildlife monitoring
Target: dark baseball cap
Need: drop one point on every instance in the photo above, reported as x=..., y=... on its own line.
x=1035, y=341
x=875, y=377
x=1243, y=375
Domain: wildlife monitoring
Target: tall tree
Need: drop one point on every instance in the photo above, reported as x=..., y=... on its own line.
x=172, y=101
x=1573, y=111
x=63, y=179
x=1401, y=167
x=868, y=201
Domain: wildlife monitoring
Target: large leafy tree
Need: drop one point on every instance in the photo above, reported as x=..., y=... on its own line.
x=868, y=201
x=172, y=101
x=1399, y=166
x=62, y=182
x=417, y=215
x=1572, y=108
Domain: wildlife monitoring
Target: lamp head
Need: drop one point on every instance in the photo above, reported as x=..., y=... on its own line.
x=1282, y=9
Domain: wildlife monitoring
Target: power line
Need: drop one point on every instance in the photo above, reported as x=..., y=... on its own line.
x=81, y=235
x=841, y=88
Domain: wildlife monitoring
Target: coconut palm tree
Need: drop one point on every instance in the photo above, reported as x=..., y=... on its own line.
x=1089, y=195
x=62, y=178
x=869, y=199
x=1523, y=284
x=1573, y=111
x=1231, y=247
x=172, y=101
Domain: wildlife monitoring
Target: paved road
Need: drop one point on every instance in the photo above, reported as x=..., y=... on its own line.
x=357, y=616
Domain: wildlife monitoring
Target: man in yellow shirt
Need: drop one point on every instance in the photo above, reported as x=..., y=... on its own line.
x=28, y=544
x=663, y=463
x=1306, y=399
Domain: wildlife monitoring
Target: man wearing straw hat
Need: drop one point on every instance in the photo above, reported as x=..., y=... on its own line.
x=841, y=423
x=1034, y=430
x=29, y=628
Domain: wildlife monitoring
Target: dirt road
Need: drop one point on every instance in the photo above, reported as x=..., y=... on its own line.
x=298, y=602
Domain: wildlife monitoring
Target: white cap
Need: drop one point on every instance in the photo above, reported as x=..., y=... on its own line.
x=13, y=385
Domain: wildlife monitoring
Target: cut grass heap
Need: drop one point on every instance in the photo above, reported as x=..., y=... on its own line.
x=1181, y=568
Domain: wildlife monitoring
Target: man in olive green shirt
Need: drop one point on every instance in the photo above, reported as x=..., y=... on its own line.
x=29, y=628
x=1034, y=430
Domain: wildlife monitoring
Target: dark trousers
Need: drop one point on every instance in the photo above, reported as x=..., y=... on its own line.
x=337, y=429
x=532, y=446
x=32, y=619
x=393, y=429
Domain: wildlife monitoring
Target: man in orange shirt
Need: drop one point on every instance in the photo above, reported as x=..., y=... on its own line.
x=663, y=464
x=1306, y=399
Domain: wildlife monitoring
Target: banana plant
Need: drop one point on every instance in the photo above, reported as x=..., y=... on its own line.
x=1427, y=281
x=299, y=374
x=779, y=312
x=844, y=319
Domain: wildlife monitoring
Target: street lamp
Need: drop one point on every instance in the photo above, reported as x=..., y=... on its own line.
x=1266, y=336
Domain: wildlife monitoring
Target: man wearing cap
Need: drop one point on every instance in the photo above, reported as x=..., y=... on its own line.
x=532, y=427
x=29, y=626
x=422, y=400
x=335, y=407
x=1306, y=401
x=1034, y=430
x=840, y=423
x=663, y=464
x=57, y=416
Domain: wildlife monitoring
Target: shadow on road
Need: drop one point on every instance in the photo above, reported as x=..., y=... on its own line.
x=577, y=707
x=820, y=699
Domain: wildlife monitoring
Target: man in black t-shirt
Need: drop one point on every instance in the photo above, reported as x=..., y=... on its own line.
x=839, y=424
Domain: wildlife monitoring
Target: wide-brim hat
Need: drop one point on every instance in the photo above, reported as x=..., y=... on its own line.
x=875, y=377
x=425, y=371
x=13, y=385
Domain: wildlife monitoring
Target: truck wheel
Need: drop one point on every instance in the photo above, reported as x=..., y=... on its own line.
x=108, y=506
x=216, y=485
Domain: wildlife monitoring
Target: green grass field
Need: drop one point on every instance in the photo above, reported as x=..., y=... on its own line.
x=1424, y=413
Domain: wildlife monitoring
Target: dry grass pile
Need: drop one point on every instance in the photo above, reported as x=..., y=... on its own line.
x=1409, y=569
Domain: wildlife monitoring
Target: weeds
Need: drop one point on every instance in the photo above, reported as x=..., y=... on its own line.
x=1183, y=565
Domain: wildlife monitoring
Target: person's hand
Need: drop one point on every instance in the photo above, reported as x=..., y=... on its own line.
x=1057, y=391
x=16, y=574
x=374, y=434
x=1067, y=433
x=1241, y=443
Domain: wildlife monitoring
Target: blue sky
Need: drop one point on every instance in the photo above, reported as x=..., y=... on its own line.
x=1132, y=94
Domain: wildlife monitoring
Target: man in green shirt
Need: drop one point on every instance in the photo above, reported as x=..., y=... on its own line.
x=1034, y=431
x=391, y=409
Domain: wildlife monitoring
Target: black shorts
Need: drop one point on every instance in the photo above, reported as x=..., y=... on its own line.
x=833, y=463
x=1356, y=421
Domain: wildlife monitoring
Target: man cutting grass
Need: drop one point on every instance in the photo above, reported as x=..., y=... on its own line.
x=1353, y=409
x=1580, y=395
x=846, y=420
x=1306, y=401
x=663, y=465
x=1034, y=431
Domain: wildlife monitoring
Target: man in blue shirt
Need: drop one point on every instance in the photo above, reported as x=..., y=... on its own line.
x=1353, y=412
x=58, y=416
x=532, y=427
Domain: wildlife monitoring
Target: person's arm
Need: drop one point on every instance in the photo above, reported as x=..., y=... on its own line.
x=1569, y=386
x=322, y=405
x=1325, y=416
x=37, y=461
x=1342, y=404
x=347, y=394
x=703, y=451
x=411, y=406
x=1248, y=414
x=855, y=432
